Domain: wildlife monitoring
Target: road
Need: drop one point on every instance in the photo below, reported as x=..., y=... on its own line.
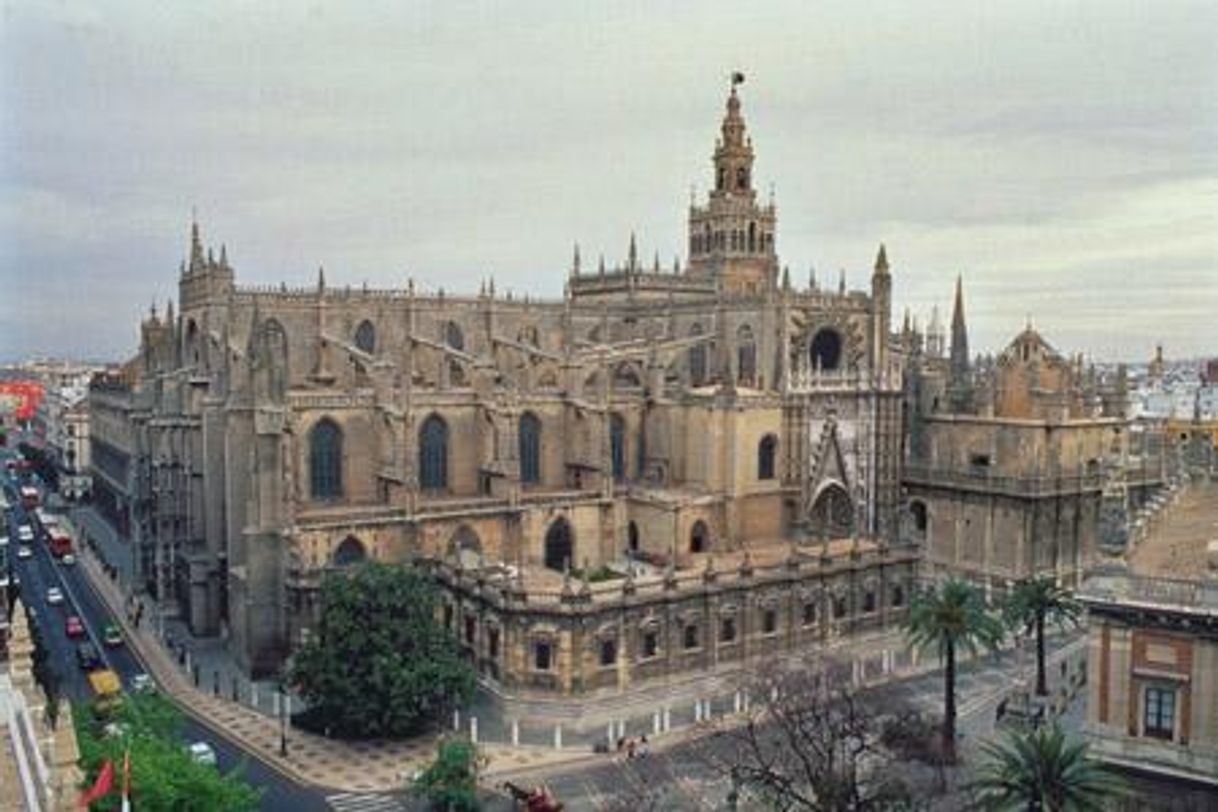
x=41, y=572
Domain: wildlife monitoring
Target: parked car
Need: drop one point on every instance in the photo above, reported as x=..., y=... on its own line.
x=25, y=534
x=24, y=552
x=87, y=656
x=112, y=635
x=143, y=683
x=202, y=753
x=72, y=627
x=54, y=596
x=67, y=559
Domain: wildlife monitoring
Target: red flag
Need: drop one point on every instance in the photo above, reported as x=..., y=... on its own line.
x=102, y=787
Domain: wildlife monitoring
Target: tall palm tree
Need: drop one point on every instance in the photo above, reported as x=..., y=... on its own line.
x=1033, y=602
x=952, y=618
x=1043, y=771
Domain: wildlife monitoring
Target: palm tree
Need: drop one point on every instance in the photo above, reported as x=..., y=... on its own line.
x=1033, y=602
x=1043, y=771
x=953, y=617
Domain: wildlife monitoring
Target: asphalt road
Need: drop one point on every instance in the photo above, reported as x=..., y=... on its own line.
x=41, y=572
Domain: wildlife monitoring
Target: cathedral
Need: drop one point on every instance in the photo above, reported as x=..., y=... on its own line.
x=664, y=471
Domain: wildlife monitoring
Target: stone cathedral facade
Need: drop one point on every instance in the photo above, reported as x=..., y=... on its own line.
x=664, y=471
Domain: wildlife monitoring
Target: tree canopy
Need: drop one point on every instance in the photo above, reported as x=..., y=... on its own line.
x=451, y=781
x=1032, y=603
x=380, y=663
x=164, y=776
x=1044, y=770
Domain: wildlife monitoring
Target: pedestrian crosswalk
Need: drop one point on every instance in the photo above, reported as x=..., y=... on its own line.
x=364, y=802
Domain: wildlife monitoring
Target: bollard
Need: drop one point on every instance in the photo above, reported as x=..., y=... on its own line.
x=515, y=733
x=275, y=704
x=656, y=723
x=621, y=728
x=215, y=682
x=697, y=711
x=456, y=720
x=196, y=675
x=557, y=737
x=609, y=736
x=254, y=695
x=473, y=729
x=667, y=719
x=736, y=702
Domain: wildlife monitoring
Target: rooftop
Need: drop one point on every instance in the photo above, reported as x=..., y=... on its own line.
x=1176, y=548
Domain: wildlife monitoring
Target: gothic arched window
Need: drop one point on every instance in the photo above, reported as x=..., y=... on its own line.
x=559, y=546
x=742, y=178
x=746, y=357
x=433, y=454
x=832, y=515
x=365, y=337
x=699, y=537
x=826, y=350
x=752, y=238
x=326, y=460
x=351, y=551
x=529, y=436
x=766, y=451
x=617, y=446
x=697, y=358
x=453, y=336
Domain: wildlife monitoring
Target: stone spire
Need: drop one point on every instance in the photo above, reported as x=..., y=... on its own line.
x=196, y=246
x=575, y=261
x=959, y=386
x=881, y=262
x=632, y=259
x=959, y=356
x=223, y=255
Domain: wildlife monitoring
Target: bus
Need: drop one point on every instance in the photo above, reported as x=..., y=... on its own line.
x=29, y=497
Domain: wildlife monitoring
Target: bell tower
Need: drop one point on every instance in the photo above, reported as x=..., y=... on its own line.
x=731, y=238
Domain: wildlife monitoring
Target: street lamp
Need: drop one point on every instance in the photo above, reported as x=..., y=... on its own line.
x=283, y=717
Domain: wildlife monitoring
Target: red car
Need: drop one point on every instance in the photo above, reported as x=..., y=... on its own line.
x=73, y=627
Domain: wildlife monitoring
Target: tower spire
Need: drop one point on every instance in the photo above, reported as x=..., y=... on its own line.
x=959, y=360
x=196, y=244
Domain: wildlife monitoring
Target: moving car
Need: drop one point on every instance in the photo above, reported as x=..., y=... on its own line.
x=143, y=683
x=203, y=753
x=67, y=559
x=87, y=656
x=24, y=552
x=107, y=687
x=25, y=534
x=112, y=635
x=72, y=627
x=54, y=596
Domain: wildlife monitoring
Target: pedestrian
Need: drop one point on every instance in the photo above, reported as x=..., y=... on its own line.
x=644, y=748
x=621, y=742
x=630, y=749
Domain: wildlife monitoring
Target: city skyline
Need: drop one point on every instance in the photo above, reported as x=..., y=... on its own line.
x=1044, y=153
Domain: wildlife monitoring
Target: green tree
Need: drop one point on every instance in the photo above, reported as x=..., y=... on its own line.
x=1032, y=603
x=164, y=777
x=1043, y=771
x=450, y=783
x=380, y=663
x=952, y=618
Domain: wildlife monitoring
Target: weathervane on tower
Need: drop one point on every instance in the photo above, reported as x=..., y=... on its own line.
x=737, y=79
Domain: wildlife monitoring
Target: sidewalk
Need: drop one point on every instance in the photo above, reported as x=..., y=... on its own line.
x=364, y=766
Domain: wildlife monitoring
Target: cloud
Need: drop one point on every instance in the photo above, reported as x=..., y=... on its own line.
x=1063, y=156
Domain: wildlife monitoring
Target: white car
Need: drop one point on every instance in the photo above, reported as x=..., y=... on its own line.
x=54, y=596
x=67, y=559
x=142, y=682
x=202, y=753
x=25, y=534
x=25, y=552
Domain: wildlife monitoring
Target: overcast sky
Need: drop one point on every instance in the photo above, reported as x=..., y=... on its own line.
x=1062, y=156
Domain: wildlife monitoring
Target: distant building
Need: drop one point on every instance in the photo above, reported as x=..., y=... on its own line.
x=1152, y=709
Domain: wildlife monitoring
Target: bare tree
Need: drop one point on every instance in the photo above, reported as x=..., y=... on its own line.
x=813, y=743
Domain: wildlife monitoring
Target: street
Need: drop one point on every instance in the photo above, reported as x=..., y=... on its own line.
x=41, y=572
